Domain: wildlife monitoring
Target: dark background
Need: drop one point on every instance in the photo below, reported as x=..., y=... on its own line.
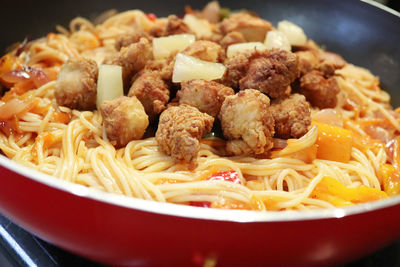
x=20, y=248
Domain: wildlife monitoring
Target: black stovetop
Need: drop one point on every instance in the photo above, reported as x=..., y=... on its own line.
x=20, y=248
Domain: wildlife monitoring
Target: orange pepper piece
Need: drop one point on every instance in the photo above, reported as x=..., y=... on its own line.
x=390, y=179
x=334, y=143
x=332, y=191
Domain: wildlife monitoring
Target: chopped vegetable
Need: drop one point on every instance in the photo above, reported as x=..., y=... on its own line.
x=230, y=204
x=10, y=126
x=15, y=107
x=254, y=204
x=62, y=117
x=334, y=143
x=163, y=46
x=109, y=83
x=242, y=47
x=189, y=68
x=48, y=139
x=365, y=142
x=228, y=176
x=201, y=27
x=277, y=39
x=202, y=204
x=396, y=153
x=390, y=179
x=6, y=63
x=390, y=174
x=328, y=116
x=294, y=33
x=224, y=13
x=332, y=191
x=37, y=76
x=151, y=16
x=307, y=154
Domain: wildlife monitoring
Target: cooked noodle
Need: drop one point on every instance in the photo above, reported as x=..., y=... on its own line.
x=76, y=152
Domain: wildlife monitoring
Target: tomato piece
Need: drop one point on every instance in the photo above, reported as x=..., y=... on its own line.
x=151, y=16
x=228, y=176
x=202, y=204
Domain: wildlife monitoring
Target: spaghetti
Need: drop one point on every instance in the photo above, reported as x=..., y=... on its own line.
x=68, y=144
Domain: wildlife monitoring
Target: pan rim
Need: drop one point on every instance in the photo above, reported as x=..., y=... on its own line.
x=189, y=212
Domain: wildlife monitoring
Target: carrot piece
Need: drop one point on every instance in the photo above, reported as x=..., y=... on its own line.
x=62, y=117
x=40, y=110
x=48, y=140
x=6, y=64
x=332, y=191
x=334, y=143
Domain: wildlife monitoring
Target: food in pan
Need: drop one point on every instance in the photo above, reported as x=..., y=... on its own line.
x=217, y=109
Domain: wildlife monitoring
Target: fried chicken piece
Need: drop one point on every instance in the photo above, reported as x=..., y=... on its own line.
x=308, y=60
x=205, y=50
x=165, y=66
x=236, y=69
x=320, y=91
x=207, y=96
x=152, y=91
x=253, y=28
x=127, y=39
x=170, y=26
x=246, y=116
x=238, y=147
x=310, y=45
x=292, y=116
x=270, y=71
x=232, y=38
x=179, y=132
x=210, y=12
x=132, y=59
x=76, y=86
x=312, y=57
x=124, y=120
x=175, y=25
x=329, y=62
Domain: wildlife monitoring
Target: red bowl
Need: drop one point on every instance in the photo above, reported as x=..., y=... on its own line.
x=124, y=231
